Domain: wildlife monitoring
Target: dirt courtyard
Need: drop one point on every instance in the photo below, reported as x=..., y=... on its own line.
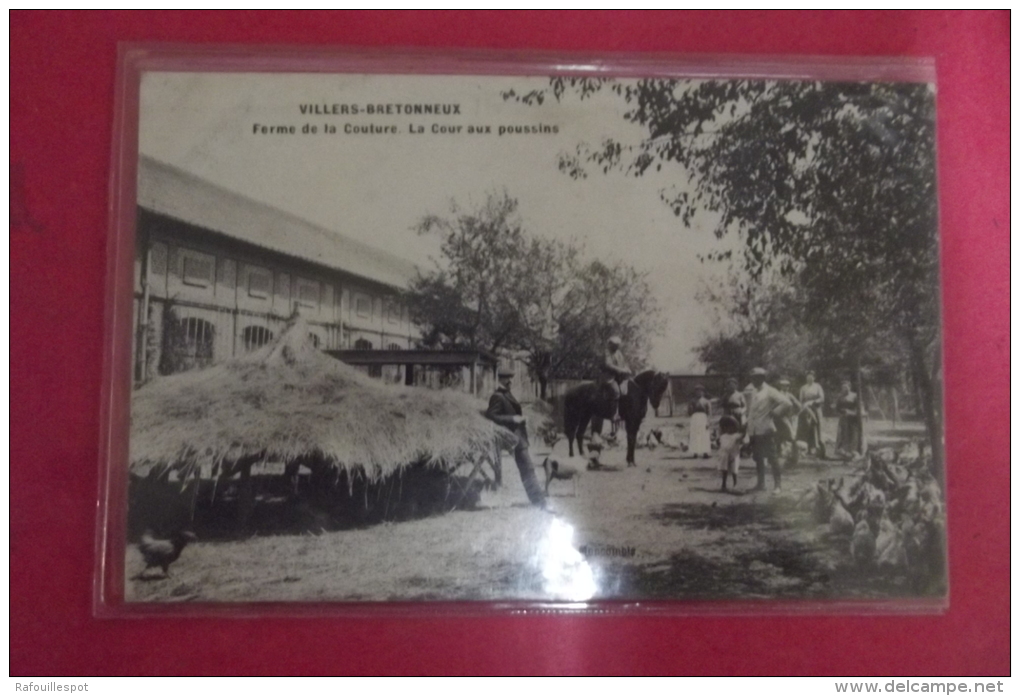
x=661, y=530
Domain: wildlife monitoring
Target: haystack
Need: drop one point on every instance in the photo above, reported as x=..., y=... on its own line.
x=289, y=402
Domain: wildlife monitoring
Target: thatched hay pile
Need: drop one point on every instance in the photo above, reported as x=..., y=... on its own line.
x=289, y=402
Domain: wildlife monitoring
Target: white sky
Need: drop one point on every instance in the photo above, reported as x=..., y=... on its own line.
x=375, y=187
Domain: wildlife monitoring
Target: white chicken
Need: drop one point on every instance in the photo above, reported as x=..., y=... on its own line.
x=841, y=523
x=889, y=550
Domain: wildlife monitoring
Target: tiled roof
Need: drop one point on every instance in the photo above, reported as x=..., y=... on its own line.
x=171, y=191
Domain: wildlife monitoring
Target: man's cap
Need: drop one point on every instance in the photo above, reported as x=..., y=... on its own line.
x=758, y=372
x=699, y=387
x=505, y=372
x=784, y=382
x=615, y=339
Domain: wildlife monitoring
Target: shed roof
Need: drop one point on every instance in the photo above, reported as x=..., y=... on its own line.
x=168, y=190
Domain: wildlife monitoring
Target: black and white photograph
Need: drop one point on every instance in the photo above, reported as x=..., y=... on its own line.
x=563, y=339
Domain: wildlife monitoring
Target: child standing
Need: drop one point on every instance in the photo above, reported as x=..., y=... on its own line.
x=730, y=437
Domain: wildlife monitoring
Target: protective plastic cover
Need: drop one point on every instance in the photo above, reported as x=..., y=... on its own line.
x=413, y=332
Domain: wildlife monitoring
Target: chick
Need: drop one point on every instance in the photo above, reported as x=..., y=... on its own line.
x=162, y=552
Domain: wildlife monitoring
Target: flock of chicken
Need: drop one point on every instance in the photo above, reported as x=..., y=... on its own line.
x=891, y=513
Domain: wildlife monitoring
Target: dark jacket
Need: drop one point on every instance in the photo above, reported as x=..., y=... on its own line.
x=502, y=409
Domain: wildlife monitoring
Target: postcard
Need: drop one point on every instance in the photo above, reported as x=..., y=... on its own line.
x=564, y=338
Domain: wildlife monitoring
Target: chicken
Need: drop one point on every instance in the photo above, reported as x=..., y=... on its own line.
x=653, y=438
x=889, y=550
x=823, y=501
x=840, y=521
x=862, y=544
x=162, y=552
x=550, y=436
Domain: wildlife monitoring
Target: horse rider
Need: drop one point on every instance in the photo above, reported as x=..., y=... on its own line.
x=505, y=410
x=616, y=372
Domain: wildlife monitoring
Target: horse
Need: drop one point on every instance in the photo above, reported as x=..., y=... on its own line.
x=590, y=401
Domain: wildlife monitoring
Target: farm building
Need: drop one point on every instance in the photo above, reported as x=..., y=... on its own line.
x=218, y=274
x=231, y=271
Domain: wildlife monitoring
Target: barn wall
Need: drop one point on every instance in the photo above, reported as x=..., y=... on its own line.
x=237, y=287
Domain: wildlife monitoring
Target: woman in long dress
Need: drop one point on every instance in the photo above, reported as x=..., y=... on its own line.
x=848, y=435
x=697, y=409
x=809, y=425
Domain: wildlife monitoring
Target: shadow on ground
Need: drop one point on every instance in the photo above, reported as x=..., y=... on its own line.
x=770, y=550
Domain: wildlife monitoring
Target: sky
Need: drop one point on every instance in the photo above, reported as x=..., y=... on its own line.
x=374, y=187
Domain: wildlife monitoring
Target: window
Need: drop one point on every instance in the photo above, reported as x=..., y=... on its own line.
x=188, y=343
x=260, y=283
x=393, y=312
x=198, y=341
x=313, y=339
x=197, y=269
x=363, y=305
x=395, y=346
x=362, y=344
x=307, y=293
x=255, y=337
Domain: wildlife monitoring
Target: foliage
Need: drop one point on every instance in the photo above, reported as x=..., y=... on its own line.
x=466, y=302
x=832, y=185
x=497, y=287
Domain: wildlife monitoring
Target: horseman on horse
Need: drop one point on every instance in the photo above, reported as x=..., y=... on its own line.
x=617, y=392
x=616, y=373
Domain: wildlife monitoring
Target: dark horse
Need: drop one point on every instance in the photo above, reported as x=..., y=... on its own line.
x=591, y=401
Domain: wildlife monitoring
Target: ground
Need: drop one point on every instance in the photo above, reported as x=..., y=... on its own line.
x=660, y=530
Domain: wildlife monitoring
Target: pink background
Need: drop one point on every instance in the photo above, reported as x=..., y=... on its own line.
x=62, y=85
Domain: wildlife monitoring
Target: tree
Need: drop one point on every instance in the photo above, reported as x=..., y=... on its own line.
x=466, y=301
x=830, y=184
x=497, y=287
x=607, y=300
x=757, y=324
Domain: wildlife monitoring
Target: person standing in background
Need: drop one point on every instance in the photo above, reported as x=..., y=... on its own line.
x=730, y=435
x=809, y=424
x=734, y=404
x=698, y=410
x=766, y=403
x=786, y=427
x=848, y=434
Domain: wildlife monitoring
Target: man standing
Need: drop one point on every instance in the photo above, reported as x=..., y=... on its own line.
x=505, y=410
x=765, y=404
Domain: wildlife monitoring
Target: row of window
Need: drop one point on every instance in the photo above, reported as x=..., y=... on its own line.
x=198, y=270
x=197, y=338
